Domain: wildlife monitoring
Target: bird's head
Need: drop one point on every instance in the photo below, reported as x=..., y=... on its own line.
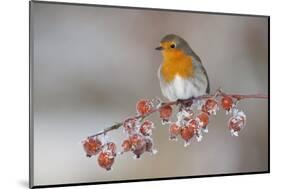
x=173, y=46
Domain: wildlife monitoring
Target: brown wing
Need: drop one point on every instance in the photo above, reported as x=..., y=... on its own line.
x=208, y=85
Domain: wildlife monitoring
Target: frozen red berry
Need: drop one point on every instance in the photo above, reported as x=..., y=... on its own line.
x=129, y=125
x=174, y=131
x=187, y=133
x=144, y=106
x=92, y=146
x=227, y=103
x=210, y=106
x=189, y=130
x=192, y=123
x=136, y=140
x=146, y=128
x=139, y=151
x=105, y=160
x=203, y=119
x=126, y=145
x=138, y=144
x=237, y=122
x=166, y=112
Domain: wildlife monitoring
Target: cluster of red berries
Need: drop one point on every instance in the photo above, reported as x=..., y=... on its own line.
x=139, y=131
x=237, y=120
x=189, y=124
x=138, y=138
x=106, y=152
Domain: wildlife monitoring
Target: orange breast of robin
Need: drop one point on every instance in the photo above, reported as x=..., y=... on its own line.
x=176, y=62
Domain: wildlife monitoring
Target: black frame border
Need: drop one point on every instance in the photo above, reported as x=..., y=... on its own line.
x=31, y=124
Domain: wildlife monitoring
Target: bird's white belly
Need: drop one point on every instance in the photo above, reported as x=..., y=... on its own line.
x=180, y=88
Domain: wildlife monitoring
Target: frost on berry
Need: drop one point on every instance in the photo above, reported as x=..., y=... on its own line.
x=144, y=106
x=92, y=146
x=191, y=129
x=203, y=121
x=189, y=124
x=166, y=113
x=129, y=125
x=146, y=128
x=136, y=140
x=210, y=106
x=237, y=122
x=193, y=123
x=185, y=115
x=188, y=131
x=156, y=102
x=105, y=160
x=138, y=144
x=227, y=103
x=199, y=103
x=174, y=131
x=110, y=147
x=126, y=145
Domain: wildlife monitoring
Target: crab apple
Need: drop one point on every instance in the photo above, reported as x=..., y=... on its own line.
x=210, y=106
x=189, y=130
x=129, y=125
x=139, y=151
x=138, y=144
x=126, y=145
x=166, y=112
x=193, y=124
x=136, y=140
x=105, y=160
x=174, y=131
x=203, y=119
x=92, y=146
x=146, y=128
x=236, y=123
x=187, y=133
x=144, y=106
x=227, y=103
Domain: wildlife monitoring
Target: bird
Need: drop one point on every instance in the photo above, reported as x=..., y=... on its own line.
x=181, y=74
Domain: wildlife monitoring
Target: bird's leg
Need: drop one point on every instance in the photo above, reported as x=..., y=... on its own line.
x=218, y=92
x=184, y=104
x=180, y=104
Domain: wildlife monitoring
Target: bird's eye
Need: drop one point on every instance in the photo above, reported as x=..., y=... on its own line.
x=173, y=46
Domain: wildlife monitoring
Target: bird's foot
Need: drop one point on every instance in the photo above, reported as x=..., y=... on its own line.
x=185, y=103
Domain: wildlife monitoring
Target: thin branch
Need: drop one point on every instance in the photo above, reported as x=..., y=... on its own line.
x=171, y=103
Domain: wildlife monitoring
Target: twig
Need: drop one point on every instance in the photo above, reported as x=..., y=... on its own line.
x=171, y=103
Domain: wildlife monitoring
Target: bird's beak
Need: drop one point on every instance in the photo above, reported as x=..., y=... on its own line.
x=159, y=48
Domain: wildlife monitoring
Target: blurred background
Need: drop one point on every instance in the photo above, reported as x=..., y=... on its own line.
x=92, y=64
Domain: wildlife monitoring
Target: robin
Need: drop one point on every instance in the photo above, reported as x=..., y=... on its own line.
x=181, y=73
